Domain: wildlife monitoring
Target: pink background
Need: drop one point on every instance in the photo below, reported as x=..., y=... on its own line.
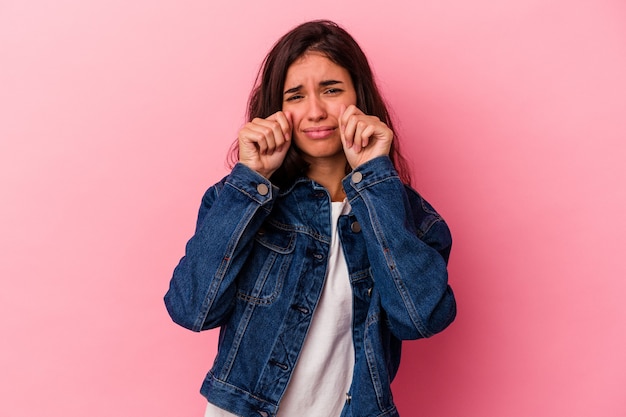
x=116, y=115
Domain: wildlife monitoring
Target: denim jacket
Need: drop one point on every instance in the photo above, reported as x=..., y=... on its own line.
x=256, y=265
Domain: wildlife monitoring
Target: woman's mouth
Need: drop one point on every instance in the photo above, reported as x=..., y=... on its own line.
x=321, y=132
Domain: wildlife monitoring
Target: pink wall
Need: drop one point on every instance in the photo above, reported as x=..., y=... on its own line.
x=116, y=115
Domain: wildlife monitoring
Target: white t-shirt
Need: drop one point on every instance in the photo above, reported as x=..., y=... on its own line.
x=323, y=373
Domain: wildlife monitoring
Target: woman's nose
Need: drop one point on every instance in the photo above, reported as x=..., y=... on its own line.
x=317, y=109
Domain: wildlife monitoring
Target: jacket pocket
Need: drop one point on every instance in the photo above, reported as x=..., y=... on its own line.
x=262, y=278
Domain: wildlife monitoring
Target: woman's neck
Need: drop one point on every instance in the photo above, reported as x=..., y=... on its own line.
x=329, y=173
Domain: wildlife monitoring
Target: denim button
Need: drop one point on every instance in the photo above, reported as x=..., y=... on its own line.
x=355, y=227
x=357, y=177
x=348, y=398
x=262, y=189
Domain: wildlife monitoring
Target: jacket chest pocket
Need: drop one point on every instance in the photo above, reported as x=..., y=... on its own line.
x=264, y=274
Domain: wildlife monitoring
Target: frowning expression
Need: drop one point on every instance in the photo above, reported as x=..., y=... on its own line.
x=316, y=90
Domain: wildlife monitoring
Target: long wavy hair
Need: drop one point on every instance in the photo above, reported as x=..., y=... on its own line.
x=339, y=46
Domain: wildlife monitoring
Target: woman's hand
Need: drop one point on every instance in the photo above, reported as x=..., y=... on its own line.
x=364, y=137
x=263, y=143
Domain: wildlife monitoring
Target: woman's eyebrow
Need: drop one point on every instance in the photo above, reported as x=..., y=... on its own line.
x=293, y=90
x=324, y=83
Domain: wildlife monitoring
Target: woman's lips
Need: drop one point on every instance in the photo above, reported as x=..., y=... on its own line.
x=319, y=132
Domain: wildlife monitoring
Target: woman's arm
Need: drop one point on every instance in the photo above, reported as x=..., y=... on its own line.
x=408, y=247
x=202, y=289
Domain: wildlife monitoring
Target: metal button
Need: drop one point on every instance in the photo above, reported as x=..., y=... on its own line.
x=357, y=177
x=369, y=292
x=262, y=189
x=355, y=227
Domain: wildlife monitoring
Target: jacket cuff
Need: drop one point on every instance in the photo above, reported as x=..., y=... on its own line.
x=367, y=174
x=251, y=183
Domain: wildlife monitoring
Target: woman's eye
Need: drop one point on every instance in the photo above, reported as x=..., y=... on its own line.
x=334, y=91
x=294, y=97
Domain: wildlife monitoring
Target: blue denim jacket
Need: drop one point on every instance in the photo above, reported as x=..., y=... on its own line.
x=256, y=265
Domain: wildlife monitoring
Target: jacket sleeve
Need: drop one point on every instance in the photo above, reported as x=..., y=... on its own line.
x=203, y=287
x=408, y=245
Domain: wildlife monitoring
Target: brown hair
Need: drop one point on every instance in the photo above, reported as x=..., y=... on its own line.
x=333, y=41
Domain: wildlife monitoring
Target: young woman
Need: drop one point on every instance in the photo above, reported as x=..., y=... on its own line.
x=314, y=256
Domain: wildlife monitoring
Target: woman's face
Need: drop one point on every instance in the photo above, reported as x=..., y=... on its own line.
x=316, y=91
